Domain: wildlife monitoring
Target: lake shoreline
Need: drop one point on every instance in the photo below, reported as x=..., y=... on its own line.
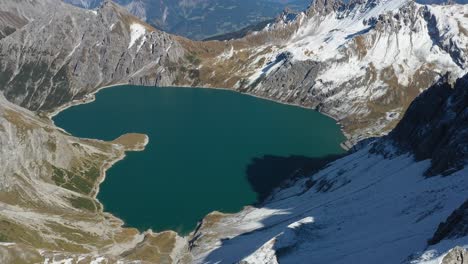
x=91, y=97
x=109, y=163
x=121, y=156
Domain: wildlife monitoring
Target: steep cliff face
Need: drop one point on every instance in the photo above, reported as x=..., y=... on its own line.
x=376, y=205
x=435, y=128
x=16, y=14
x=69, y=54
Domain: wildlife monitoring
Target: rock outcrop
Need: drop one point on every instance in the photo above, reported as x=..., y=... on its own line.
x=435, y=127
x=16, y=14
x=457, y=255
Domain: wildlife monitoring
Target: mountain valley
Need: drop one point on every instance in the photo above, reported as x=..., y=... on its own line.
x=392, y=73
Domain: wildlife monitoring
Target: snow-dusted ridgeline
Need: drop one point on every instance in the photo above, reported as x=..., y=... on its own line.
x=380, y=204
x=362, y=62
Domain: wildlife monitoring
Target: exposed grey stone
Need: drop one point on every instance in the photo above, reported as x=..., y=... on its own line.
x=457, y=255
x=78, y=51
x=436, y=127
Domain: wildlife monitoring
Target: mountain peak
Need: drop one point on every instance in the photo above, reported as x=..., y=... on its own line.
x=324, y=7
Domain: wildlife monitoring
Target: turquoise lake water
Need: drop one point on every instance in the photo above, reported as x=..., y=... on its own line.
x=209, y=150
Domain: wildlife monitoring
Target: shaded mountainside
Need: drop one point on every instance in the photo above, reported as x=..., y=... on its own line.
x=435, y=128
x=375, y=205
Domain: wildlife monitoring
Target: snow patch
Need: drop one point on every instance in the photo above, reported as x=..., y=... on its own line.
x=98, y=260
x=62, y=261
x=371, y=208
x=435, y=254
x=226, y=54
x=137, y=31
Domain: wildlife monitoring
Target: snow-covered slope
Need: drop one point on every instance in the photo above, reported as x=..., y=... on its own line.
x=362, y=62
x=379, y=204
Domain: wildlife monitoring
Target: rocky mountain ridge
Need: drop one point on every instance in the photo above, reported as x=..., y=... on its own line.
x=50, y=178
x=379, y=56
x=85, y=50
x=14, y=15
x=199, y=19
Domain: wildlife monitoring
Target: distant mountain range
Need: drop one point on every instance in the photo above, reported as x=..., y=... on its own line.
x=199, y=19
x=202, y=19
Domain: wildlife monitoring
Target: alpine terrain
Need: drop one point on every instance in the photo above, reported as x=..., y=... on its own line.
x=199, y=19
x=393, y=73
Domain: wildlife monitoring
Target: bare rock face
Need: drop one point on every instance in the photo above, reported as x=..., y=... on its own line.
x=457, y=255
x=436, y=127
x=70, y=54
x=324, y=7
x=16, y=14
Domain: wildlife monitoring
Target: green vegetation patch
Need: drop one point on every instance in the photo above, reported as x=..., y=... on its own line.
x=13, y=232
x=78, y=181
x=73, y=235
x=83, y=203
x=193, y=59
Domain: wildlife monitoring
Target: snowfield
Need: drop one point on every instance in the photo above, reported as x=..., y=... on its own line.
x=363, y=208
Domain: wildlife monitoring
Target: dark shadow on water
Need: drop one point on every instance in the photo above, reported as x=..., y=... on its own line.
x=269, y=172
x=265, y=174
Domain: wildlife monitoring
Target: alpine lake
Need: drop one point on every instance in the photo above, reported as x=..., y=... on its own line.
x=209, y=150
